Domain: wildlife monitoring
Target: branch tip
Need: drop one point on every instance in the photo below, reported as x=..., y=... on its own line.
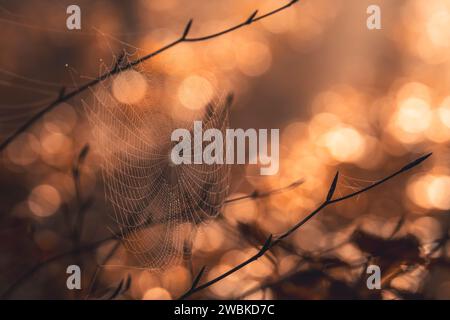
x=296, y=183
x=61, y=93
x=186, y=29
x=83, y=153
x=198, y=277
x=333, y=187
x=229, y=100
x=267, y=244
x=120, y=59
x=252, y=16
x=416, y=162
x=117, y=291
x=117, y=68
x=118, y=62
x=80, y=159
x=128, y=283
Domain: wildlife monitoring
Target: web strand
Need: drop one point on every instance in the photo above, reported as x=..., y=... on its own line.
x=156, y=205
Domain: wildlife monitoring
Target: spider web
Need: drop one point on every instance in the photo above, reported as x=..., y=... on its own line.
x=352, y=184
x=156, y=205
x=13, y=114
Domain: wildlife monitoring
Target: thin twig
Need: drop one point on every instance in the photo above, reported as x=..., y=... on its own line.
x=81, y=210
x=95, y=245
x=118, y=68
x=105, y=260
x=254, y=194
x=54, y=258
x=258, y=195
x=328, y=201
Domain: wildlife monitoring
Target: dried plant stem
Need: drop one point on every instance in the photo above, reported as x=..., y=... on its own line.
x=107, y=257
x=40, y=265
x=88, y=247
x=271, y=243
x=120, y=67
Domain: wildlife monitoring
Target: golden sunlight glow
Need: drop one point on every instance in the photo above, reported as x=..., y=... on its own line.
x=260, y=268
x=53, y=143
x=438, y=28
x=410, y=281
x=321, y=123
x=209, y=237
x=430, y=191
x=414, y=115
x=241, y=211
x=195, y=92
x=253, y=57
x=438, y=131
x=444, y=112
x=160, y=5
x=176, y=279
x=227, y=286
x=44, y=200
x=429, y=36
x=417, y=191
x=345, y=144
x=25, y=150
x=426, y=229
x=364, y=103
x=129, y=87
x=438, y=192
x=147, y=280
x=157, y=293
x=282, y=23
x=61, y=120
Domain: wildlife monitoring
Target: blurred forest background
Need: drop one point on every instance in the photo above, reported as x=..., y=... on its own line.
x=364, y=102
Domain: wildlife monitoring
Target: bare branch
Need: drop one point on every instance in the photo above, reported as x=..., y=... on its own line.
x=197, y=278
x=186, y=30
x=252, y=16
x=273, y=243
x=269, y=243
x=62, y=91
x=258, y=195
x=85, y=248
x=40, y=265
x=64, y=97
x=118, y=62
x=333, y=187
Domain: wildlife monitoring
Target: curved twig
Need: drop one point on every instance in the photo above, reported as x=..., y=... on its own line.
x=118, y=68
x=26, y=275
x=271, y=243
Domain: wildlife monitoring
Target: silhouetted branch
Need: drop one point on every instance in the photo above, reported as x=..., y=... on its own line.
x=95, y=245
x=115, y=292
x=265, y=248
x=62, y=91
x=258, y=195
x=198, y=277
x=118, y=68
x=40, y=265
x=186, y=30
x=79, y=219
x=328, y=201
x=252, y=16
x=107, y=257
